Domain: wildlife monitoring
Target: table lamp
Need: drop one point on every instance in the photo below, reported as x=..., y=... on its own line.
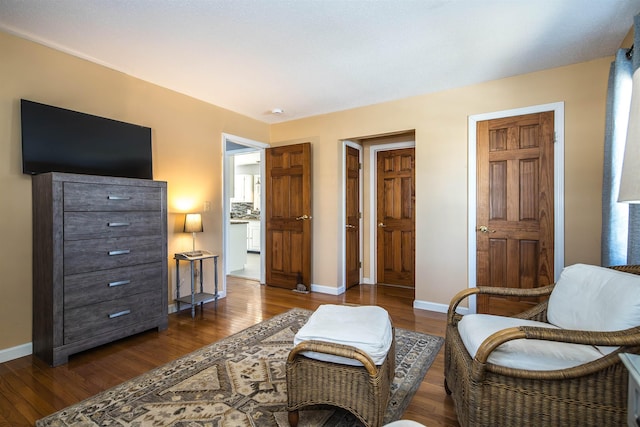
x=193, y=225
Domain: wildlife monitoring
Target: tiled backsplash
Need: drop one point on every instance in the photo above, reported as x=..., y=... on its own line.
x=240, y=209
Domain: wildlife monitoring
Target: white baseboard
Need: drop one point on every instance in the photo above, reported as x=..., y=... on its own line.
x=327, y=289
x=16, y=352
x=437, y=307
x=367, y=281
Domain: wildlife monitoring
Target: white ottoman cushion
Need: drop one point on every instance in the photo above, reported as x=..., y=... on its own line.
x=367, y=328
x=537, y=355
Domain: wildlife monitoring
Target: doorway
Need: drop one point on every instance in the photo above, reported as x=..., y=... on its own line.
x=287, y=216
x=366, y=225
x=243, y=231
x=395, y=217
x=514, y=232
x=353, y=215
x=497, y=240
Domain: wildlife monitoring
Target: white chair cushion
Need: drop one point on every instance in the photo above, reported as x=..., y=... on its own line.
x=591, y=298
x=367, y=328
x=537, y=355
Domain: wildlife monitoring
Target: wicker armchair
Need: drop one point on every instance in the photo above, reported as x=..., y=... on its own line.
x=486, y=394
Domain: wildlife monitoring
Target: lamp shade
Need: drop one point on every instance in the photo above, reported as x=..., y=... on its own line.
x=193, y=223
x=630, y=178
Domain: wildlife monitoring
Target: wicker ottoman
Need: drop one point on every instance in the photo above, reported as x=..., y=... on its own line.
x=344, y=356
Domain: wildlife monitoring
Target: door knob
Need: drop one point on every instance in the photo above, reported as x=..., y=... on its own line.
x=381, y=224
x=303, y=217
x=350, y=226
x=485, y=229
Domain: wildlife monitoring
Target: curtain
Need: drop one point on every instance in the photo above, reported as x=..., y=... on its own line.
x=620, y=221
x=615, y=215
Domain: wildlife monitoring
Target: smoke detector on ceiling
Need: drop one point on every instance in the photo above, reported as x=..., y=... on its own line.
x=277, y=111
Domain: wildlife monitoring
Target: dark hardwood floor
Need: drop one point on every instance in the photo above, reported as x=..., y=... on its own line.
x=30, y=389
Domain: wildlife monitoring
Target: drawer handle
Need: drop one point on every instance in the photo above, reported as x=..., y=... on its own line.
x=119, y=283
x=120, y=313
x=118, y=198
x=119, y=224
x=119, y=252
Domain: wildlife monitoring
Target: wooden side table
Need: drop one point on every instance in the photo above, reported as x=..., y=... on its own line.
x=201, y=296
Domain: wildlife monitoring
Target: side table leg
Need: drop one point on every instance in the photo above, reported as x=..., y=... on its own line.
x=193, y=293
x=178, y=284
x=215, y=281
x=201, y=287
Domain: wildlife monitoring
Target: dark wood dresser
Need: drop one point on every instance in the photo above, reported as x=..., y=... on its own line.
x=99, y=261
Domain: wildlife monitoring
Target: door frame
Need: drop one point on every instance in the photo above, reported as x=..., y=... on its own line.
x=373, y=202
x=227, y=191
x=558, y=186
x=342, y=278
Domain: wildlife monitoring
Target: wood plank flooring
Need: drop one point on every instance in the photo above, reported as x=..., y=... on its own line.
x=30, y=389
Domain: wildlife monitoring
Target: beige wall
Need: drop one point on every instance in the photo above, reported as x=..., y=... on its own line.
x=186, y=150
x=187, y=154
x=440, y=123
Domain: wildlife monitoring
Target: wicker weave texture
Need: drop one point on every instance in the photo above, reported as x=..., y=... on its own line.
x=361, y=390
x=593, y=394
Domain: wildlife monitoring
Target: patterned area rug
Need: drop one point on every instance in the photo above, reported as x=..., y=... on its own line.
x=238, y=381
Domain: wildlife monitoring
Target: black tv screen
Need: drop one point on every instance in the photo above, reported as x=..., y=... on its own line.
x=59, y=140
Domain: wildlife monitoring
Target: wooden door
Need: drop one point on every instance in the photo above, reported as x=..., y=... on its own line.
x=288, y=215
x=396, y=217
x=514, y=224
x=352, y=226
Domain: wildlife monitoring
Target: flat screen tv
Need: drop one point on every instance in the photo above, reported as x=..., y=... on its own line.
x=59, y=140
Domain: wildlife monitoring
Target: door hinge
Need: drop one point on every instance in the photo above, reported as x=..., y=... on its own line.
x=359, y=264
x=360, y=215
x=555, y=137
x=360, y=166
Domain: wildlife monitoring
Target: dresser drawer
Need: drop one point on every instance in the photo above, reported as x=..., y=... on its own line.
x=88, y=288
x=103, y=317
x=81, y=256
x=101, y=197
x=90, y=225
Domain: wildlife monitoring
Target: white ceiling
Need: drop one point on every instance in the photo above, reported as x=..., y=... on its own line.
x=311, y=57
